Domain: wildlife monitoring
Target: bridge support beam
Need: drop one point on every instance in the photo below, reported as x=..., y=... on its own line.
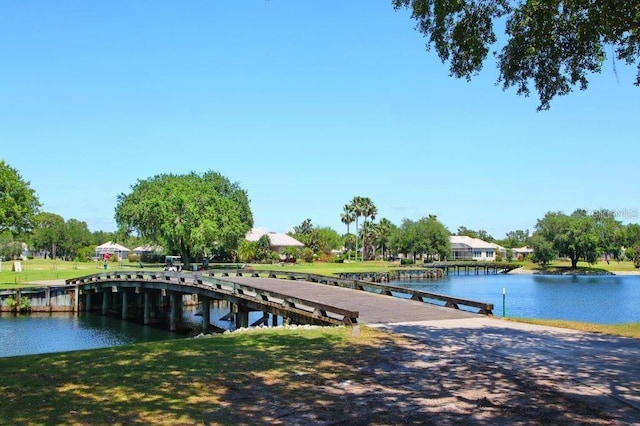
x=206, y=314
x=125, y=305
x=147, y=307
x=274, y=320
x=175, y=301
x=76, y=300
x=87, y=301
x=242, y=318
x=105, y=303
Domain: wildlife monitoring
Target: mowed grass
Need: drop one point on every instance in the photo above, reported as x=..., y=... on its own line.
x=213, y=380
x=625, y=330
x=41, y=270
x=565, y=266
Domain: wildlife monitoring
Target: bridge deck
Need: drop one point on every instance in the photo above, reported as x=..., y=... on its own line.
x=373, y=308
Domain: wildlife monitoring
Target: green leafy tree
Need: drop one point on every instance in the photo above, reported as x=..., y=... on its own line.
x=18, y=202
x=328, y=239
x=76, y=235
x=307, y=234
x=552, y=45
x=247, y=251
x=263, y=248
x=632, y=235
x=291, y=252
x=427, y=236
x=543, y=250
x=611, y=234
x=187, y=214
x=517, y=238
x=307, y=255
x=481, y=234
x=575, y=236
x=9, y=248
x=48, y=233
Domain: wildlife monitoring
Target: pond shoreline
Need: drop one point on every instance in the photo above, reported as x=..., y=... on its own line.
x=582, y=272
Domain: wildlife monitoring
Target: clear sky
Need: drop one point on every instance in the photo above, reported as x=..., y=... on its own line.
x=305, y=105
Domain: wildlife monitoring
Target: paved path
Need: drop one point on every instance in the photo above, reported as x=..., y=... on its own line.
x=604, y=370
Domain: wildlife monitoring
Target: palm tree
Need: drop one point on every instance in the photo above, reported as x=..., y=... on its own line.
x=356, y=208
x=347, y=217
x=368, y=209
x=368, y=234
x=384, y=228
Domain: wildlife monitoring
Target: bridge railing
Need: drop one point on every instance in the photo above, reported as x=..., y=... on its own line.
x=276, y=301
x=385, y=289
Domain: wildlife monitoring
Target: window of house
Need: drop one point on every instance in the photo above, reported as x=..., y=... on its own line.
x=477, y=253
x=490, y=254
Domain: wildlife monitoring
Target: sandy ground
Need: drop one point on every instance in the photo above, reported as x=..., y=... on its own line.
x=479, y=371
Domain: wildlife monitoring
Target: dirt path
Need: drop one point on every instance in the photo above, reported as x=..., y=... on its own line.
x=477, y=372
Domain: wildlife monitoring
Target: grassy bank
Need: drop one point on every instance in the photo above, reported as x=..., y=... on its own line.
x=624, y=330
x=212, y=380
x=582, y=267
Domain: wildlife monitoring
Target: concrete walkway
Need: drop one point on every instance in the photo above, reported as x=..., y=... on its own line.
x=603, y=370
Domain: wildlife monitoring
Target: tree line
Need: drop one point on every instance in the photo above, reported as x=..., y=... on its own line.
x=207, y=215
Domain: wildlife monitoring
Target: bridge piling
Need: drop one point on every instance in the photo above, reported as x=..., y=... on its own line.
x=147, y=308
x=125, y=305
x=206, y=314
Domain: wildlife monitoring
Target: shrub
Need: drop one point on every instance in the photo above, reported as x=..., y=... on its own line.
x=406, y=261
x=307, y=255
x=275, y=257
x=133, y=258
x=114, y=258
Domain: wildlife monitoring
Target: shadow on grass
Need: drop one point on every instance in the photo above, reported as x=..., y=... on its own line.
x=322, y=376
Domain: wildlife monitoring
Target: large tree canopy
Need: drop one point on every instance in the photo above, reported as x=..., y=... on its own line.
x=550, y=44
x=18, y=202
x=187, y=214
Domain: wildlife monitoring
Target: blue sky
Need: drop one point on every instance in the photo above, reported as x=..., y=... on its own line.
x=305, y=105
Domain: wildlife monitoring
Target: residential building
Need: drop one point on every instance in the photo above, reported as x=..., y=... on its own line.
x=279, y=241
x=467, y=248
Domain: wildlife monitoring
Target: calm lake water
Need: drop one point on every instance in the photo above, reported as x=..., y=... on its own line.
x=602, y=299
x=597, y=299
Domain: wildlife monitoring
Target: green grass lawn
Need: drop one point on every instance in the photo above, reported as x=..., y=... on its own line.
x=39, y=269
x=213, y=380
x=625, y=330
x=565, y=266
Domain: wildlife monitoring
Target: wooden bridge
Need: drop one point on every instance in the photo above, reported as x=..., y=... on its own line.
x=311, y=299
x=477, y=268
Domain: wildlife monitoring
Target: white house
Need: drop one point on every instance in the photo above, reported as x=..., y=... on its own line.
x=147, y=249
x=110, y=248
x=467, y=248
x=279, y=241
x=522, y=252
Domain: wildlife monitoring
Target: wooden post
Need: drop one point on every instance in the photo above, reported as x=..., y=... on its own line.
x=76, y=302
x=87, y=301
x=125, y=304
x=105, y=303
x=47, y=297
x=206, y=314
x=173, y=323
x=242, y=318
x=147, y=307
